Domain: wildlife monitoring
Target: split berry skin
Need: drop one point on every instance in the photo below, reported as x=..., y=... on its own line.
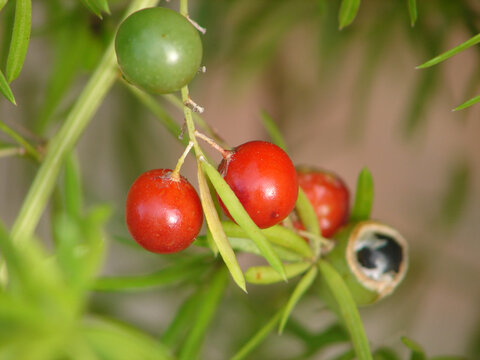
x=329, y=197
x=158, y=50
x=163, y=211
x=263, y=178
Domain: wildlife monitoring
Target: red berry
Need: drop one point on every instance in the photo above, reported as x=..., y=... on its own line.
x=264, y=179
x=329, y=197
x=163, y=213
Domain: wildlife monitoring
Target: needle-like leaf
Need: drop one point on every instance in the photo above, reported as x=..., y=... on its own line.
x=448, y=54
x=216, y=230
x=412, y=10
x=300, y=289
x=20, y=38
x=362, y=206
x=268, y=275
x=5, y=89
x=348, y=11
x=347, y=308
x=241, y=217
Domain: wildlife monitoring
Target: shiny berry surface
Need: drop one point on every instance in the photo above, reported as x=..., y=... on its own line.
x=163, y=214
x=264, y=179
x=329, y=197
x=158, y=50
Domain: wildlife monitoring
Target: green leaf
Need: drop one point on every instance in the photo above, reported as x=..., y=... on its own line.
x=300, y=289
x=97, y=6
x=273, y=131
x=306, y=213
x=448, y=357
x=362, y=206
x=180, y=271
x=448, y=54
x=417, y=352
x=80, y=246
x=20, y=38
x=211, y=299
x=241, y=217
x=412, y=10
x=5, y=89
x=468, y=103
x=384, y=353
x=348, y=11
x=258, y=338
x=247, y=245
x=268, y=275
x=3, y=3
x=348, y=309
x=216, y=230
x=182, y=321
x=115, y=341
x=276, y=234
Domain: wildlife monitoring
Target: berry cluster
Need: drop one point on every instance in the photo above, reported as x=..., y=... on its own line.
x=160, y=51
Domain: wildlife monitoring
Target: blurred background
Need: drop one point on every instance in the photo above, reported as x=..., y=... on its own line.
x=343, y=100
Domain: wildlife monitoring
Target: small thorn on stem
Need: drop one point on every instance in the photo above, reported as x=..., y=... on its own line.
x=194, y=106
x=196, y=26
x=202, y=69
x=213, y=144
x=176, y=172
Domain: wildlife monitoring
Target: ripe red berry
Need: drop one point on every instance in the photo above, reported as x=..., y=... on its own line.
x=329, y=197
x=264, y=179
x=163, y=212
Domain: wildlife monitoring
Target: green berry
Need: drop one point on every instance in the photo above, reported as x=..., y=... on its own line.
x=158, y=50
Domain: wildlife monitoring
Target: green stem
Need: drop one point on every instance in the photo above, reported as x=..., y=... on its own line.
x=66, y=138
x=21, y=141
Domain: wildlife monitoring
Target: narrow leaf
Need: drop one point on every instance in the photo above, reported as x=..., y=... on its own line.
x=97, y=6
x=20, y=38
x=181, y=322
x=191, y=348
x=348, y=11
x=385, y=353
x=468, y=103
x=276, y=234
x=348, y=309
x=247, y=245
x=5, y=89
x=268, y=275
x=216, y=230
x=258, y=338
x=3, y=3
x=448, y=54
x=417, y=352
x=300, y=289
x=112, y=340
x=273, y=130
x=412, y=10
x=307, y=213
x=173, y=274
x=241, y=217
x=362, y=206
